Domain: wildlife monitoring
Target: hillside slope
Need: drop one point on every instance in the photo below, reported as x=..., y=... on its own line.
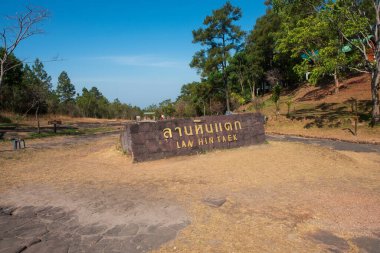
x=319, y=112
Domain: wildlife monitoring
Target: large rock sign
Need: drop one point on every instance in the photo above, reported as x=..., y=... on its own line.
x=155, y=140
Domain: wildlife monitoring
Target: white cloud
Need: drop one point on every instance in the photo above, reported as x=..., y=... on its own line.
x=142, y=61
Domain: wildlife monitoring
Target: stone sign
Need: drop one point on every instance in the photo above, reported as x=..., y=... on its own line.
x=155, y=140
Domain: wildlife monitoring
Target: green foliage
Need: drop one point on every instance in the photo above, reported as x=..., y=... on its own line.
x=237, y=100
x=5, y=120
x=320, y=38
x=37, y=85
x=260, y=43
x=167, y=108
x=343, y=31
x=51, y=134
x=263, y=56
x=276, y=97
x=65, y=89
x=12, y=89
x=195, y=97
x=245, y=67
x=92, y=103
x=276, y=93
x=314, y=38
x=220, y=39
x=27, y=88
x=70, y=131
x=185, y=109
x=240, y=73
x=310, y=37
x=289, y=103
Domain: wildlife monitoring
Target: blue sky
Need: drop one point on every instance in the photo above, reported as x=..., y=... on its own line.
x=137, y=51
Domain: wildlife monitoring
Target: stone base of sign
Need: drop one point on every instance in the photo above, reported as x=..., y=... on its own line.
x=161, y=139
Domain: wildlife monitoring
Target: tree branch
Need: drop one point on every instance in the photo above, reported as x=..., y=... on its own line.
x=25, y=27
x=360, y=70
x=26, y=22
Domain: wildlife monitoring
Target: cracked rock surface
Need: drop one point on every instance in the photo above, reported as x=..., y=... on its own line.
x=53, y=229
x=39, y=220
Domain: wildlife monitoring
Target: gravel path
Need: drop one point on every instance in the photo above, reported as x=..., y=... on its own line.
x=337, y=145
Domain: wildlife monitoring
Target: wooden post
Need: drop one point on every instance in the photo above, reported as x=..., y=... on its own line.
x=38, y=119
x=55, y=123
x=356, y=117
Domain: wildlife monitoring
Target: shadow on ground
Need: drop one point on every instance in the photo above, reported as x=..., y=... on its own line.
x=333, y=243
x=331, y=115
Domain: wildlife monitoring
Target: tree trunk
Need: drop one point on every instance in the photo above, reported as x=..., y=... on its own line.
x=375, y=84
x=253, y=94
x=227, y=93
x=228, y=101
x=38, y=120
x=337, y=84
x=278, y=107
x=1, y=74
x=225, y=81
x=252, y=90
x=241, y=81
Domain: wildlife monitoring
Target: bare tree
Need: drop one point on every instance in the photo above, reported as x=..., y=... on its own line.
x=24, y=25
x=273, y=77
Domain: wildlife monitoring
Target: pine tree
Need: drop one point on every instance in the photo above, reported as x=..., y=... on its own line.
x=220, y=39
x=65, y=89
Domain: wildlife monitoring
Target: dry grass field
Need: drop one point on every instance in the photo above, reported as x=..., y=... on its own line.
x=280, y=197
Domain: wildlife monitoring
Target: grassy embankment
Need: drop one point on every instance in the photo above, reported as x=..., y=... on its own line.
x=319, y=112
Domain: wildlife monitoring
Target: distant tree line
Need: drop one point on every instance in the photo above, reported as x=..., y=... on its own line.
x=27, y=89
x=296, y=41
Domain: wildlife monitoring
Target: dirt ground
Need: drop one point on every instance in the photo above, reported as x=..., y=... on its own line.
x=275, y=197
